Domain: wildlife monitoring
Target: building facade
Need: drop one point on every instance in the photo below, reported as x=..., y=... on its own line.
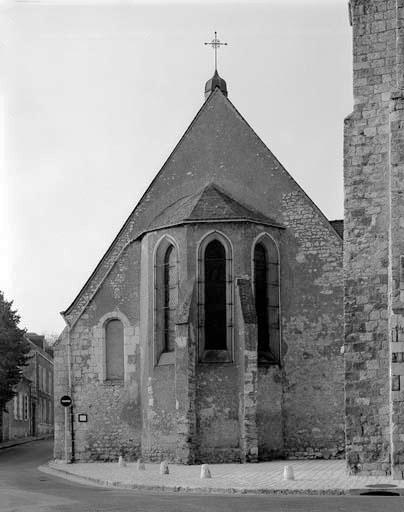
x=30, y=412
x=212, y=328
x=16, y=422
x=42, y=376
x=374, y=241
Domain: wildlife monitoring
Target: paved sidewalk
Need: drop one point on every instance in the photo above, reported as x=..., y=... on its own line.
x=311, y=477
x=23, y=440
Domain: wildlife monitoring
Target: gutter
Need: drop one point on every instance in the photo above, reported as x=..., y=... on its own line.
x=70, y=391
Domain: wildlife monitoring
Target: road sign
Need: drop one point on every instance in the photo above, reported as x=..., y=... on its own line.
x=66, y=401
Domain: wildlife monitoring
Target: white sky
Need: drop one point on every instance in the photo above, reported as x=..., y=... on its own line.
x=95, y=95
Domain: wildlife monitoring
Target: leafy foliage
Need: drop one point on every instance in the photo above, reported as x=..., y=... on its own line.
x=14, y=350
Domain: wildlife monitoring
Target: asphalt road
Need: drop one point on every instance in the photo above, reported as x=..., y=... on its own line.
x=25, y=489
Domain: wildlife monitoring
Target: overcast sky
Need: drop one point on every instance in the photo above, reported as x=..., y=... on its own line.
x=95, y=95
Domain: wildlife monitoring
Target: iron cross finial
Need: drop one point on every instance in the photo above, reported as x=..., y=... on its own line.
x=215, y=44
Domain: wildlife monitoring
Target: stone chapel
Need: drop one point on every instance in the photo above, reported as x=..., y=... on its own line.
x=211, y=330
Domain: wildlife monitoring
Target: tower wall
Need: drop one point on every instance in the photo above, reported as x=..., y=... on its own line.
x=396, y=234
x=373, y=238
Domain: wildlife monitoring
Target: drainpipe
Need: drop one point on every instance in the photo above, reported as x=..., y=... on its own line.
x=36, y=393
x=70, y=388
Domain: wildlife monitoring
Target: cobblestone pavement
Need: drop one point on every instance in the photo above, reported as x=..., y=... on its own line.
x=311, y=477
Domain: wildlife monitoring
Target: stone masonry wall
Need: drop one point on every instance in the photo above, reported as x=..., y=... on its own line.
x=366, y=238
x=159, y=433
x=396, y=282
x=226, y=392
x=247, y=338
x=217, y=400
x=312, y=334
x=113, y=408
x=185, y=367
x=269, y=413
x=396, y=245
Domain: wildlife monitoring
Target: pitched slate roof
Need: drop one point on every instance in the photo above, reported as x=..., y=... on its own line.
x=209, y=204
x=219, y=146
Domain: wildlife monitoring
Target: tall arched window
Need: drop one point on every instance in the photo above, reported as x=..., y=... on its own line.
x=215, y=303
x=166, y=300
x=114, y=350
x=215, y=296
x=266, y=292
x=170, y=298
x=261, y=296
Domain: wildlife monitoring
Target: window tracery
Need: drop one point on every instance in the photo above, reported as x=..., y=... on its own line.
x=267, y=299
x=166, y=299
x=215, y=299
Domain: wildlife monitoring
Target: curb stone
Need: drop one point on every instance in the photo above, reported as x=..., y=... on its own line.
x=61, y=473
x=15, y=442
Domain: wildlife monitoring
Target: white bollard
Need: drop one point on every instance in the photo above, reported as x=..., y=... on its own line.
x=288, y=473
x=121, y=462
x=205, y=471
x=164, y=468
x=140, y=465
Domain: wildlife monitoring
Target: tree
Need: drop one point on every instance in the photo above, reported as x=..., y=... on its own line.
x=14, y=349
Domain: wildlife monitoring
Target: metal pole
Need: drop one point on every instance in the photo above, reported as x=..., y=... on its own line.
x=72, y=432
x=66, y=440
x=69, y=374
x=215, y=49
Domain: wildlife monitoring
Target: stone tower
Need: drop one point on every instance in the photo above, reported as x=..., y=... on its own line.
x=374, y=241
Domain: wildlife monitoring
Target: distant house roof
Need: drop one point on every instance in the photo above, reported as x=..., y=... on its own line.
x=209, y=204
x=338, y=225
x=39, y=341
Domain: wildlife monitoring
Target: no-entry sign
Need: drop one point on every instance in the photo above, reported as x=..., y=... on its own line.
x=66, y=401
